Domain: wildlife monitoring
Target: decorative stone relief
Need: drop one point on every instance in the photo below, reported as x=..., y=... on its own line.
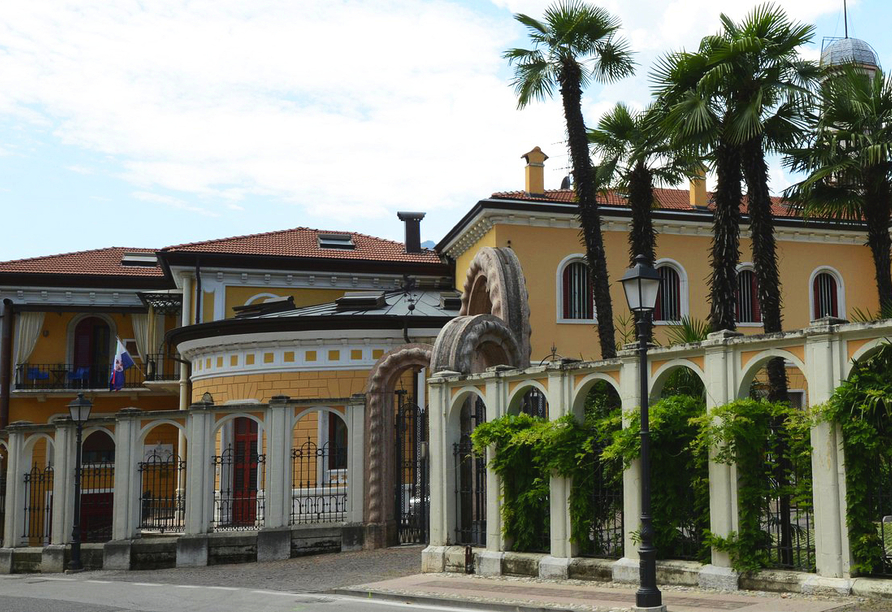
x=470, y=344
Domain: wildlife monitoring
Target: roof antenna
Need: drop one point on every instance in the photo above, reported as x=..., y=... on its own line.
x=845, y=17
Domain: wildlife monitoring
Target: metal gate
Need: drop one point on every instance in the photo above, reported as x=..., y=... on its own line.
x=2, y=503
x=38, y=527
x=162, y=499
x=238, y=499
x=470, y=480
x=411, y=490
x=97, y=501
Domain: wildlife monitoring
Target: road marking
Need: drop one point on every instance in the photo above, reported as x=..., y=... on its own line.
x=58, y=579
x=186, y=586
x=98, y=581
x=396, y=602
x=145, y=584
x=219, y=588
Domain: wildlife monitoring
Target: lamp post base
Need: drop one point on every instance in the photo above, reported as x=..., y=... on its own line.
x=651, y=609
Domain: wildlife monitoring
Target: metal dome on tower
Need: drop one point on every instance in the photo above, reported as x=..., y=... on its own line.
x=838, y=52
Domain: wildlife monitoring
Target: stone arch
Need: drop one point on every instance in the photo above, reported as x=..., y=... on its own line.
x=458, y=400
x=580, y=393
x=88, y=431
x=382, y=529
x=864, y=352
x=517, y=394
x=495, y=285
x=470, y=344
x=749, y=371
x=146, y=430
x=31, y=442
x=232, y=417
x=658, y=379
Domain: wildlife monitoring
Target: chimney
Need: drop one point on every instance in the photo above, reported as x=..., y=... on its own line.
x=698, y=189
x=413, y=230
x=535, y=172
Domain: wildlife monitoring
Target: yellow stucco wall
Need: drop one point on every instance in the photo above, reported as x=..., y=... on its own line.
x=262, y=387
x=541, y=250
x=237, y=296
x=53, y=344
x=39, y=410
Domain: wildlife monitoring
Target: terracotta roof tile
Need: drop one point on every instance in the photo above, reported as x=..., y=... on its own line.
x=304, y=242
x=100, y=262
x=667, y=199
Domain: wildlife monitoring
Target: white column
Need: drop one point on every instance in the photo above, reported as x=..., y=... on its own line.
x=496, y=398
x=442, y=510
x=277, y=506
x=630, y=394
x=63, y=482
x=125, y=520
x=356, y=456
x=824, y=361
x=199, y=472
x=720, y=389
x=14, y=489
x=560, y=404
x=186, y=320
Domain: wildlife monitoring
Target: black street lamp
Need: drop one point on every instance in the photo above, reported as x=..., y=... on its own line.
x=79, y=409
x=641, y=284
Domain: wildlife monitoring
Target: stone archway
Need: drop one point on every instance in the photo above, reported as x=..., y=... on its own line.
x=470, y=344
x=381, y=528
x=495, y=285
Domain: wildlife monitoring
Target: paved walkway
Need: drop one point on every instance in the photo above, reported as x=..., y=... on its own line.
x=576, y=595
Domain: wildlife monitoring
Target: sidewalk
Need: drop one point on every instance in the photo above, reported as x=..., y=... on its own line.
x=507, y=593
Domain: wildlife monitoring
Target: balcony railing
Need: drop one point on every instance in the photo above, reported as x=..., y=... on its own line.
x=65, y=376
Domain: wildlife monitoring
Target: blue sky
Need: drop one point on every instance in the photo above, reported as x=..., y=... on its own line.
x=151, y=124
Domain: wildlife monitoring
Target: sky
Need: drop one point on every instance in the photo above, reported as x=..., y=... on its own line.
x=149, y=124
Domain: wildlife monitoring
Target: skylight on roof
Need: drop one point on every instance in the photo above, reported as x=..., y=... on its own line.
x=139, y=259
x=336, y=241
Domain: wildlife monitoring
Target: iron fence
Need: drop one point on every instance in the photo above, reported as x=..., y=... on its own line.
x=239, y=498
x=470, y=494
x=38, y=492
x=97, y=501
x=50, y=376
x=2, y=506
x=534, y=404
x=880, y=503
x=162, y=498
x=411, y=492
x=318, y=484
x=606, y=532
x=160, y=367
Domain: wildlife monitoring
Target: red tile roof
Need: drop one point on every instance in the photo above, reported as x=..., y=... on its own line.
x=304, y=242
x=100, y=262
x=667, y=199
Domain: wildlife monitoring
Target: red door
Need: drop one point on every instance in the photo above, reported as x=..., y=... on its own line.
x=92, y=350
x=244, y=472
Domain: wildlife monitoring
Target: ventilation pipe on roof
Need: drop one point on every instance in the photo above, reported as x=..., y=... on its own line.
x=698, y=189
x=413, y=230
x=535, y=172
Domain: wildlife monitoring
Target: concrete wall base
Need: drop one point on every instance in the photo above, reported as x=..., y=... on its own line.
x=872, y=587
x=116, y=555
x=192, y=551
x=626, y=570
x=433, y=559
x=554, y=568
x=6, y=560
x=818, y=585
x=52, y=561
x=717, y=577
x=274, y=544
x=352, y=537
x=488, y=563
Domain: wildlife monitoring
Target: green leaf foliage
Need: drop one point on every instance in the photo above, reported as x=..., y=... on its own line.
x=862, y=406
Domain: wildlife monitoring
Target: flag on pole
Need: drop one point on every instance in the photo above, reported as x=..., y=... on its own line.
x=121, y=363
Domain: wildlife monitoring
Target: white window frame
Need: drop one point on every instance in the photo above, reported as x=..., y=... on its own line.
x=683, y=305
x=559, y=294
x=749, y=266
x=840, y=291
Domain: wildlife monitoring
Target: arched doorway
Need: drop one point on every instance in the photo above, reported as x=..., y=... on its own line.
x=239, y=475
x=470, y=477
x=97, y=487
x=91, y=356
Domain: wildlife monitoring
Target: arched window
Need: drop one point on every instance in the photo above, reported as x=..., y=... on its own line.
x=576, y=290
x=669, y=295
x=825, y=296
x=748, y=298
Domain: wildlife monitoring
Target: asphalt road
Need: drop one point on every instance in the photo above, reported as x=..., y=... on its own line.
x=84, y=594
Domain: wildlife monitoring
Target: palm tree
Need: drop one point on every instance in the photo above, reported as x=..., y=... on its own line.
x=849, y=163
x=573, y=45
x=695, y=115
x=764, y=83
x=634, y=154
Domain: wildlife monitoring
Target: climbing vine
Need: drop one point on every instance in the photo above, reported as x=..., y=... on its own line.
x=862, y=406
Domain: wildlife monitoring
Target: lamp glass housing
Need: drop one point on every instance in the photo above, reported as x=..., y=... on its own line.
x=80, y=408
x=641, y=283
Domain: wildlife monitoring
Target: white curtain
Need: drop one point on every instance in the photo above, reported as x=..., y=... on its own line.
x=28, y=326
x=141, y=334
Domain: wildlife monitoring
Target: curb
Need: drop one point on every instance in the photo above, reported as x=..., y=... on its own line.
x=445, y=601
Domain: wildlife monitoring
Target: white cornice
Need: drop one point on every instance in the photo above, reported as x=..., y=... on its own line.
x=488, y=218
x=303, y=280
x=71, y=296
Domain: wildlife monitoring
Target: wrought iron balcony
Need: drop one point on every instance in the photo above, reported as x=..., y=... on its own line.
x=66, y=376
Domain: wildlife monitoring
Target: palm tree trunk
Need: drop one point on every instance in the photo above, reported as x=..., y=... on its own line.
x=643, y=236
x=877, y=214
x=586, y=192
x=725, y=239
x=755, y=172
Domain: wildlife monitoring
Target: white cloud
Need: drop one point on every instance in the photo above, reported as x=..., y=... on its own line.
x=78, y=169
x=171, y=201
